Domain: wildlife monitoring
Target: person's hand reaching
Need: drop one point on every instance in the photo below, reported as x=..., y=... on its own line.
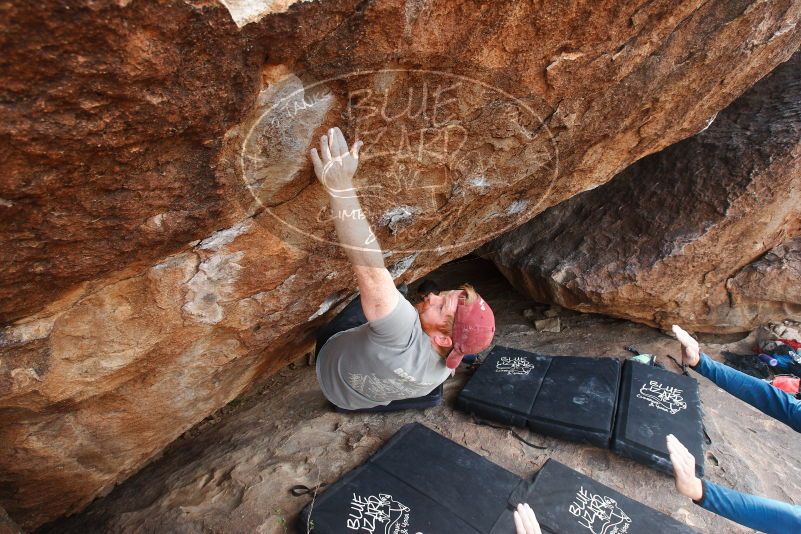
x=336, y=165
x=690, y=352
x=525, y=521
x=683, y=461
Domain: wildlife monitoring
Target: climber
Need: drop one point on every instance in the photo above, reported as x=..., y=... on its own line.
x=396, y=356
x=759, y=513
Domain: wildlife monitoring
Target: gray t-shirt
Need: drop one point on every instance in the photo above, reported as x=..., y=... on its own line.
x=380, y=361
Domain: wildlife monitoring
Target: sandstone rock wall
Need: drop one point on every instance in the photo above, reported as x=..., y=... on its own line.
x=112, y=119
x=686, y=235
x=165, y=242
x=7, y=525
x=769, y=287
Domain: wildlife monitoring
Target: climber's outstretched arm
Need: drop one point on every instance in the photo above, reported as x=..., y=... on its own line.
x=335, y=167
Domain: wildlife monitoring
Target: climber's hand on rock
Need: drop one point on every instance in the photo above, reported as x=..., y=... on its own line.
x=336, y=164
x=690, y=352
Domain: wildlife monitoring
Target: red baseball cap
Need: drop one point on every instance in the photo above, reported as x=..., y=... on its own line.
x=473, y=329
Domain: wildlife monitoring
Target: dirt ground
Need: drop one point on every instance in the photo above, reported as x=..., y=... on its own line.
x=232, y=473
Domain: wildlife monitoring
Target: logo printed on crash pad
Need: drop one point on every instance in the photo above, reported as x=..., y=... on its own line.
x=518, y=365
x=665, y=398
x=378, y=514
x=599, y=514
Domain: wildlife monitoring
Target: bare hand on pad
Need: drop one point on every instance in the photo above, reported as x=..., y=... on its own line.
x=687, y=483
x=525, y=521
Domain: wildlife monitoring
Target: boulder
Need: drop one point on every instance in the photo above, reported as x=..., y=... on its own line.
x=167, y=243
x=7, y=525
x=770, y=287
x=703, y=234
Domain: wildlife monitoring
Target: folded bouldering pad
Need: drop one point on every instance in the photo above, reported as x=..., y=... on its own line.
x=567, y=502
x=577, y=400
x=419, y=481
x=423, y=482
x=504, y=387
x=565, y=396
x=654, y=403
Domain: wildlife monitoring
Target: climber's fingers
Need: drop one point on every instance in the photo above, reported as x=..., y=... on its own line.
x=684, y=337
x=325, y=151
x=333, y=143
x=318, y=165
x=338, y=145
x=354, y=150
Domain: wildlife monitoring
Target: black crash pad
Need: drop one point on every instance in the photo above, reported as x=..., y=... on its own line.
x=422, y=482
x=504, y=387
x=567, y=502
x=654, y=403
x=577, y=399
x=419, y=481
x=565, y=396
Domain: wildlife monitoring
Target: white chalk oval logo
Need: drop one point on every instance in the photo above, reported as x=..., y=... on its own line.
x=437, y=146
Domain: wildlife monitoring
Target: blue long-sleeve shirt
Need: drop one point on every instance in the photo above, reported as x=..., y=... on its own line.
x=769, y=400
x=761, y=514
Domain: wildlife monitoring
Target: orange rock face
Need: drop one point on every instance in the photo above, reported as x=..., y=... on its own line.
x=687, y=235
x=770, y=286
x=165, y=242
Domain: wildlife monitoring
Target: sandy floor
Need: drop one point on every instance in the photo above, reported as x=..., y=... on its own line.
x=232, y=473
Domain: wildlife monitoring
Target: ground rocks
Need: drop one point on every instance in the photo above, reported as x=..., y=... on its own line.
x=700, y=234
x=166, y=242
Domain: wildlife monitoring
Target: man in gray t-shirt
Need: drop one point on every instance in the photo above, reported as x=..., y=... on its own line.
x=400, y=352
x=380, y=361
